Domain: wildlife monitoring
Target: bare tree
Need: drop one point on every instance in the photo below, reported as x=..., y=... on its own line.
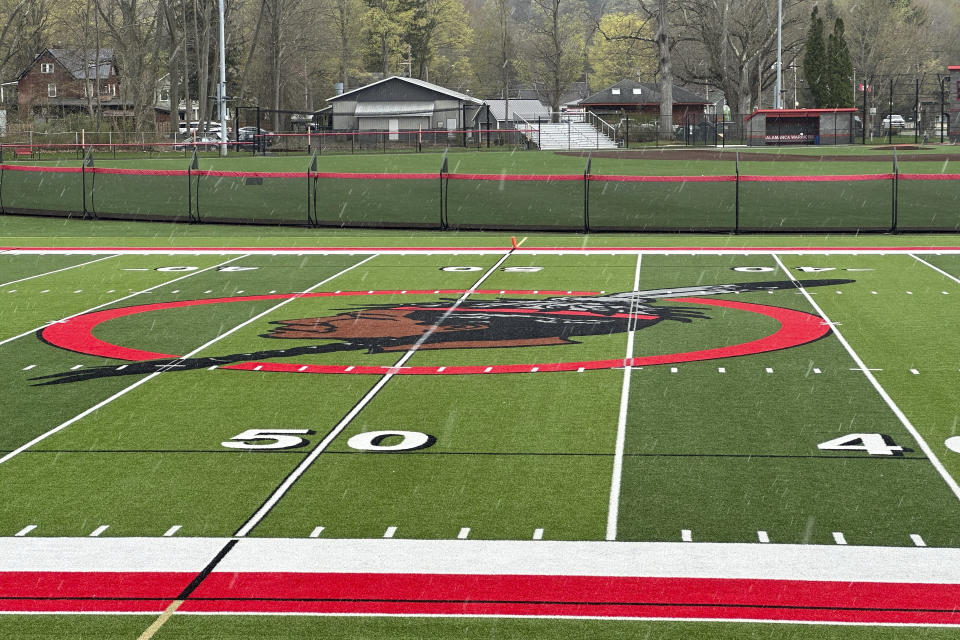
x=556, y=43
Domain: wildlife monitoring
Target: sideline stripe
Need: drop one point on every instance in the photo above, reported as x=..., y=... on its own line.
x=935, y=268
x=300, y=469
x=613, y=507
x=40, y=275
x=200, y=577
x=153, y=375
x=127, y=297
x=934, y=460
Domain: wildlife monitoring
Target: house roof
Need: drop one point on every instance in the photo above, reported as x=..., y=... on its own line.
x=649, y=93
x=77, y=60
x=798, y=113
x=524, y=108
x=420, y=83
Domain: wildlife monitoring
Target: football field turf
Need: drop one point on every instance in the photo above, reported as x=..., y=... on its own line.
x=503, y=442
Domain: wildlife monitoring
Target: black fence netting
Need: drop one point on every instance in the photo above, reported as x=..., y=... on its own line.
x=582, y=202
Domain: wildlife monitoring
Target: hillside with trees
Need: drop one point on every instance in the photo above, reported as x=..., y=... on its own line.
x=290, y=54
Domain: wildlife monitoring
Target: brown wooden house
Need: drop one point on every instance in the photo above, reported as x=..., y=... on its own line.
x=61, y=81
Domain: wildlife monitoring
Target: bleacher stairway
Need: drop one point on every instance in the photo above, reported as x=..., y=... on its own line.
x=566, y=135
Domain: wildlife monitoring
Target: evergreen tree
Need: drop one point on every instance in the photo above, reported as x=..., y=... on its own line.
x=815, y=67
x=840, y=69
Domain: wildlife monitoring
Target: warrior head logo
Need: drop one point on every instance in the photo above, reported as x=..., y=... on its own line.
x=451, y=324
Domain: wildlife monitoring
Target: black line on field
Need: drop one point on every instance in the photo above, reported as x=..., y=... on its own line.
x=487, y=453
x=573, y=603
x=207, y=570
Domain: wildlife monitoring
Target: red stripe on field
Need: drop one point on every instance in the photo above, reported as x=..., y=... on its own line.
x=468, y=594
x=92, y=584
x=577, y=596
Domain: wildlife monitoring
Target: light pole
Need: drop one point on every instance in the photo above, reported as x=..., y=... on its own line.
x=222, y=88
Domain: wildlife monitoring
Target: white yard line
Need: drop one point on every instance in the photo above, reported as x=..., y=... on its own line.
x=127, y=297
x=40, y=275
x=613, y=508
x=935, y=268
x=934, y=460
x=294, y=475
x=153, y=375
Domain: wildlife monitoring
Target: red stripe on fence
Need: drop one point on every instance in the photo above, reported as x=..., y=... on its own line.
x=248, y=174
x=847, y=178
x=930, y=176
x=378, y=176
x=22, y=167
x=594, y=178
x=138, y=172
x=514, y=178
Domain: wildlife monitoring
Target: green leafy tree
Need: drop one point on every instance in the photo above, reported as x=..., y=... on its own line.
x=840, y=69
x=621, y=48
x=815, y=66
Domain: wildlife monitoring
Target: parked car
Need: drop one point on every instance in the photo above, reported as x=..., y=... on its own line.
x=253, y=134
x=893, y=121
x=189, y=128
x=200, y=143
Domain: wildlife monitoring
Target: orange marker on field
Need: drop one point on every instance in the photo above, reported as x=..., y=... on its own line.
x=513, y=241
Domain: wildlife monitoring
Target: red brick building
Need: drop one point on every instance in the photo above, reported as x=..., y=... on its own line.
x=61, y=81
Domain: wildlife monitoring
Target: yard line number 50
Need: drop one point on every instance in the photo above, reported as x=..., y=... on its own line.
x=376, y=441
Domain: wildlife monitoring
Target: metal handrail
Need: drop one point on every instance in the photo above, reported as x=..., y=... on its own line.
x=613, y=131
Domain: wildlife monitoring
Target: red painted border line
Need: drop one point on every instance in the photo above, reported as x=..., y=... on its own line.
x=578, y=596
x=470, y=594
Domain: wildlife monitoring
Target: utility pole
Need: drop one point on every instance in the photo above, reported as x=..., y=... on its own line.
x=778, y=90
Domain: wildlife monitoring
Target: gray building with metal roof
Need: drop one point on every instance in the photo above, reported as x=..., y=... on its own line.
x=403, y=104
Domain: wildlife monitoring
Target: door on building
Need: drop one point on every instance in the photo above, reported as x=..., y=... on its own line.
x=394, y=129
x=452, y=127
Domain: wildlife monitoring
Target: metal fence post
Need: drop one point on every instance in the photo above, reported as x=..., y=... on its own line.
x=443, y=190
x=586, y=196
x=736, y=200
x=896, y=193
x=1, y=180
x=312, y=191
x=87, y=162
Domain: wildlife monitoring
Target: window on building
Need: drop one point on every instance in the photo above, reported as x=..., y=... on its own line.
x=51, y=90
x=636, y=91
x=615, y=92
x=46, y=67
